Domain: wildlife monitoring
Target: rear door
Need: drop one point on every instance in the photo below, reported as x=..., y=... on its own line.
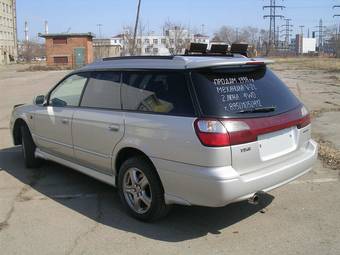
x=53, y=122
x=98, y=125
x=261, y=114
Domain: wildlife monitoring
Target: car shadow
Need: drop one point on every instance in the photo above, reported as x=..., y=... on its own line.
x=100, y=202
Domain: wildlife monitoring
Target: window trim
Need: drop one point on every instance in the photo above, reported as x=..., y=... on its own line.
x=186, y=73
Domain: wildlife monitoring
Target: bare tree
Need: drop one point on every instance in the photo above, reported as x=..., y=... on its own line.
x=30, y=49
x=177, y=37
x=226, y=34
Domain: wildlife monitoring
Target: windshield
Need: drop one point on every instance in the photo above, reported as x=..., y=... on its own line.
x=247, y=91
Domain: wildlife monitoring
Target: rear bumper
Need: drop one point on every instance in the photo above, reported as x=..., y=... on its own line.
x=215, y=187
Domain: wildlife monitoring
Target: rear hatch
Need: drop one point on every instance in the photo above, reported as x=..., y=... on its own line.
x=262, y=118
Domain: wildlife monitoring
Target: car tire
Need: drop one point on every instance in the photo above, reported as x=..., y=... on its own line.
x=143, y=198
x=28, y=149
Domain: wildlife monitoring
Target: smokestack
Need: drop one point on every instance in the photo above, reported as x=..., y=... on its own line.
x=46, y=27
x=26, y=31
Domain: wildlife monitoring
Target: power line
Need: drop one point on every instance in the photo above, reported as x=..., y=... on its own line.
x=287, y=30
x=321, y=31
x=272, y=17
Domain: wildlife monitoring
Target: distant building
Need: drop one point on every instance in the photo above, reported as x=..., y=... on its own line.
x=69, y=50
x=106, y=47
x=8, y=32
x=305, y=45
x=173, y=41
x=199, y=38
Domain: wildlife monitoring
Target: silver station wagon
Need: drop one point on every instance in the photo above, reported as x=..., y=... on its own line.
x=190, y=130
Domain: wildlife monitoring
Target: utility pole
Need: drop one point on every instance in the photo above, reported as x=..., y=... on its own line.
x=136, y=26
x=320, y=28
x=203, y=26
x=287, y=31
x=301, y=30
x=337, y=41
x=100, y=30
x=272, y=19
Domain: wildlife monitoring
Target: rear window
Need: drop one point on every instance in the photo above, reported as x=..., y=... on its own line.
x=234, y=91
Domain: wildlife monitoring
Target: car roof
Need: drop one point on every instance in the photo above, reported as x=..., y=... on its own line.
x=170, y=62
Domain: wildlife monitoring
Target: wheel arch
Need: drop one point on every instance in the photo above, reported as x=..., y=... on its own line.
x=130, y=152
x=17, y=136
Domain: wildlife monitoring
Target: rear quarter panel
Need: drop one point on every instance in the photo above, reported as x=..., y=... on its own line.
x=170, y=138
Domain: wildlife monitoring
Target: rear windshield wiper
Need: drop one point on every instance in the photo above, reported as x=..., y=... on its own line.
x=256, y=110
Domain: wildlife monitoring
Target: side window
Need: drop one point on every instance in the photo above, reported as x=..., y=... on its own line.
x=68, y=92
x=159, y=92
x=103, y=91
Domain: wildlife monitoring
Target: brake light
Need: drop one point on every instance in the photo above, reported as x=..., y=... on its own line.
x=305, y=120
x=227, y=132
x=220, y=133
x=211, y=133
x=255, y=63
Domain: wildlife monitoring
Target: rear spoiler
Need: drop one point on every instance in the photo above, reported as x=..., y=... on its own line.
x=224, y=62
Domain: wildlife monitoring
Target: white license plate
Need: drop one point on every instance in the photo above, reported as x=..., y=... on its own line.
x=278, y=143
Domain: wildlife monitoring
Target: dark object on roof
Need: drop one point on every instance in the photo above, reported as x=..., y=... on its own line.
x=240, y=48
x=198, y=47
x=219, y=48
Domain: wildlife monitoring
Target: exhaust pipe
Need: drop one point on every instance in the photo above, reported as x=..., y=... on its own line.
x=254, y=200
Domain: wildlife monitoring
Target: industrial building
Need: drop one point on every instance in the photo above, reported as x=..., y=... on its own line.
x=69, y=50
x=8, y=32
x=305, y=45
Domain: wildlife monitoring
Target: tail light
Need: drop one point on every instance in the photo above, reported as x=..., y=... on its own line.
x=220, y=133
x=227, y=132
x=305, y=120
x=212, y=133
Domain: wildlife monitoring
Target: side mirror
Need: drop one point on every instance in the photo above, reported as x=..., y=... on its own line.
x=39, y=100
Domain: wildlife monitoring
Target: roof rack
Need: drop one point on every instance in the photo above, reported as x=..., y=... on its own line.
x=138, y=57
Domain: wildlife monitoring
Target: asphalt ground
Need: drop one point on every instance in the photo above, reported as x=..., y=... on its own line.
x=55, y=210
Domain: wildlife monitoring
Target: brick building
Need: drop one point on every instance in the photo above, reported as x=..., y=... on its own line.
x=69, y=50
x=8, y=32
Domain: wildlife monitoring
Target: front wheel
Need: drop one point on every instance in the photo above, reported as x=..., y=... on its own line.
x=28, y=148
x=140, y=190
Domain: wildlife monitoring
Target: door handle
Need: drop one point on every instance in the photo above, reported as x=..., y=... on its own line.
x=114, y=128
x=65, y=121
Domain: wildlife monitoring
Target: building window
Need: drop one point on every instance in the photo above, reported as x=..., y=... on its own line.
x=147, y=41
x=155, y=41
x=60, y=40
x=163, y=41
x=147, y=50
x=155, y=50
x=60, y=60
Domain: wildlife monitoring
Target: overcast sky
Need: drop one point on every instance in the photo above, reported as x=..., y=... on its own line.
x=84, y=15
